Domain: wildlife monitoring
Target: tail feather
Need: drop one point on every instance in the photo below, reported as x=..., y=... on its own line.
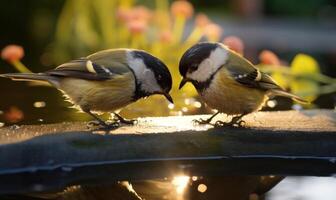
x=289, y=95
x=31, y=77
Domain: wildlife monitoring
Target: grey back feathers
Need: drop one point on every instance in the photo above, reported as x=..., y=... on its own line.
x=102, y=65
x=245, y=73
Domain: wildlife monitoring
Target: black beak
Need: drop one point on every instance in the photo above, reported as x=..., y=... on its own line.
x=167, y=95
x=183, y=82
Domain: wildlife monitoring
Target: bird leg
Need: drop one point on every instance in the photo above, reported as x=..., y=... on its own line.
x=235, y=121
x=123, y=120
x=100, y=122
x=205, y=121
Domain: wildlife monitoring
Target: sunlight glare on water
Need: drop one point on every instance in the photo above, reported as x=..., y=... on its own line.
x=180, y=183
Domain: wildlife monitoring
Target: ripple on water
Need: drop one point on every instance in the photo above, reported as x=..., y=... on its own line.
x=66, y=168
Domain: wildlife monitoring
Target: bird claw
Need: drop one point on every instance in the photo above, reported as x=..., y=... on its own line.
x=122, y=120
x=201, y=121
x=233, y=123
x=128, y=121
x=93, y=123
x=98, y=126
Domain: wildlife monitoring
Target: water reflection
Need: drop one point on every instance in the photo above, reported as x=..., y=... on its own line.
x=180, y=182
x=304, y=188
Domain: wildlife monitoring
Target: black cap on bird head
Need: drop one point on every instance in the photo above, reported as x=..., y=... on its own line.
x=160, y=70
x=192, y=58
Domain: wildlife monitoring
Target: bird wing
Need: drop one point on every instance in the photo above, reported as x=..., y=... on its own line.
x=246, y=74
x=102, y=65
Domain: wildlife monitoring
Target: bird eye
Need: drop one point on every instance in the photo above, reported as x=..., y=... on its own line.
x=193, y=67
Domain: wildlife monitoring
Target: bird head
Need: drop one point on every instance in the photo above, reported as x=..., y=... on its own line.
x=200, y=62
x=152, y=75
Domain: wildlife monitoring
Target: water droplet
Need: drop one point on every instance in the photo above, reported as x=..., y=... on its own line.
x=202, y=188
x=14, y=127
x=40, y=120
x=297, y=107
x=39, y=104
x=184, y=109
x=272, y=103
x=197, y=104
x=171, y=106
x=194, y=178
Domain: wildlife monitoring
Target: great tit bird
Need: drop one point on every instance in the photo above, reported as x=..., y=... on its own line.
x=107, y=80
x=227, y=82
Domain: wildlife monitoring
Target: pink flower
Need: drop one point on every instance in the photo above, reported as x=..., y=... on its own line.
x=137, y=26
x=213, y=31
x=141, y=13
x=123, y=14
x=182, y=8
x=12, y=53
x=235, y=44
x=202, y=20
x=166, y=36
x=269, y=58
x=138, y=13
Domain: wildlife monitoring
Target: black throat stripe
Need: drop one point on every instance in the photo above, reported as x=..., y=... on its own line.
x=201, y=86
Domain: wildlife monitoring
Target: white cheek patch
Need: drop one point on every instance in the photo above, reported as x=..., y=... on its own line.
x=145, y=76
x=207, y=67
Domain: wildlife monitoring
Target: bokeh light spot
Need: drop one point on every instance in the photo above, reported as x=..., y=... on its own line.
x=202, y=188
x=39, y=104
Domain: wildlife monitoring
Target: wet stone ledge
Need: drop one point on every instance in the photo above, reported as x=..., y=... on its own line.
x=58, y=155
